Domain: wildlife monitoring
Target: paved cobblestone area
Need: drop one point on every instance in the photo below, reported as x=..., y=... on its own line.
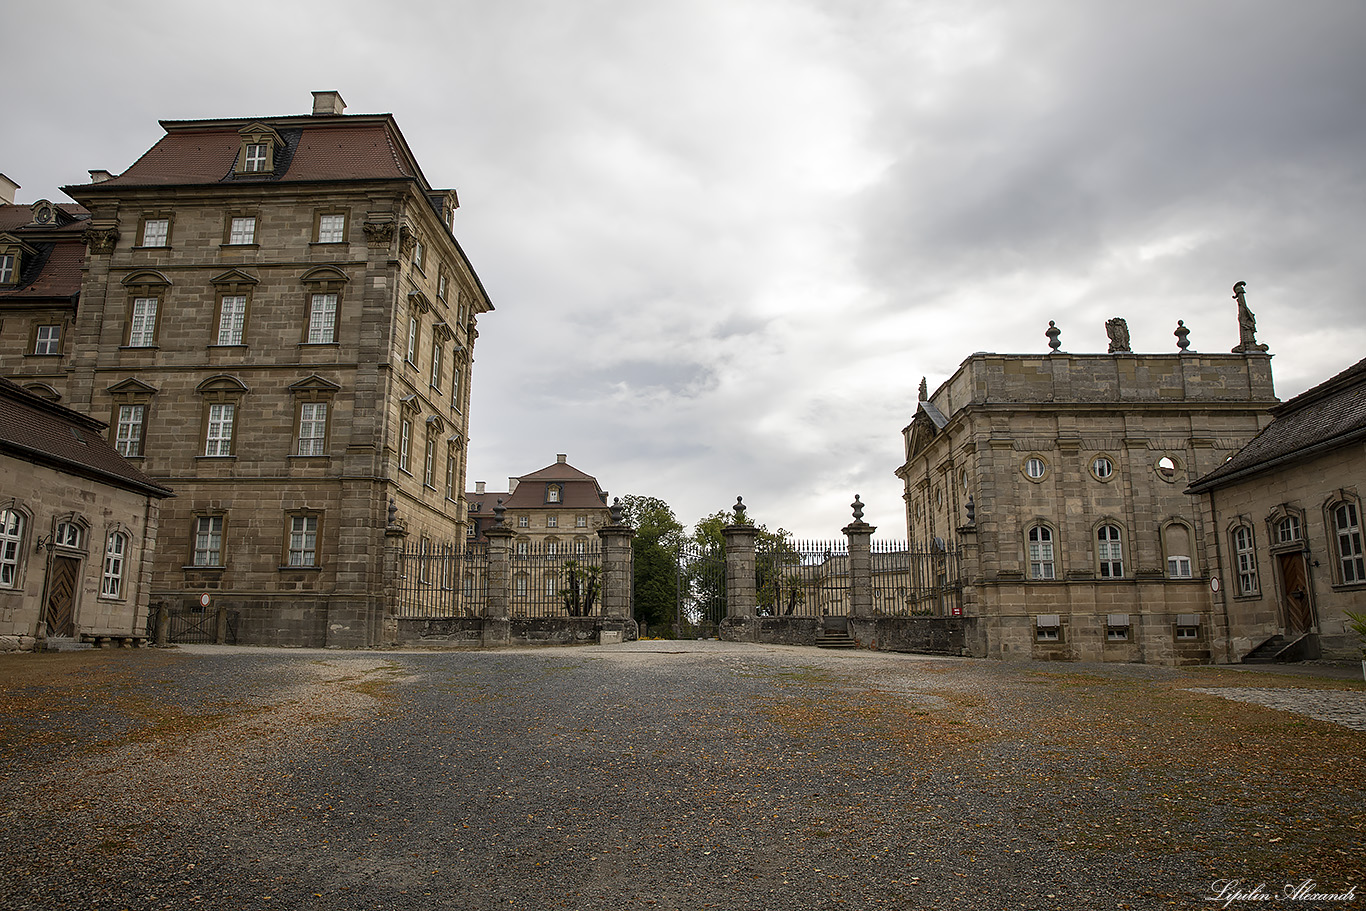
x=1335, y=706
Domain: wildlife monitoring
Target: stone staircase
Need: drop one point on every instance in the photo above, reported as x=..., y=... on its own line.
x=827, y=638
x=1277, y=648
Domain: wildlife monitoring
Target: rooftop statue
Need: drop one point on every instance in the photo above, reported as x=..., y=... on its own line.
x=1247, y=322
x=1118, y=330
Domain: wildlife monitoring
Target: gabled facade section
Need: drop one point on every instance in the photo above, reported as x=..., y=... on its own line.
x=1287, y=521
x=558, y=508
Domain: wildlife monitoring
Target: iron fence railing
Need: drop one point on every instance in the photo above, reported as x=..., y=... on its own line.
x=548, y=580
x=441, y=581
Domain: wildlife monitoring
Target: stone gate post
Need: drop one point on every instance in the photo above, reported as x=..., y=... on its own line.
x=497, y=626
x=860, y=535
x=395, y=538
x=741, y=592
x=617, y=577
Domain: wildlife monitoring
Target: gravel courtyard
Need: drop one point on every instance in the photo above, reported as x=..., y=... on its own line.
x=670, y=775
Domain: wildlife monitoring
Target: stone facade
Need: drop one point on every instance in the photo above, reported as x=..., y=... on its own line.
x=283, y=331
x=558, y=505
x=78, y=527
x=1084, y=544
x=1286, y=515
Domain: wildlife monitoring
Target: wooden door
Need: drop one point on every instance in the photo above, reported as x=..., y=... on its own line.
x=1299, y=615
x=61, y=596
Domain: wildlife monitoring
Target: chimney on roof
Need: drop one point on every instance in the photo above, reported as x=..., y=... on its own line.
x=328, y=104
x=479, y=488
x=100, y=175
x=560, y=458
x=7, y=188
x=512, y=486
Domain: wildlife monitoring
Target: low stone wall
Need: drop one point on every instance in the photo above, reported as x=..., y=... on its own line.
x=18, y=643
x=921, y=635
x=479, y=632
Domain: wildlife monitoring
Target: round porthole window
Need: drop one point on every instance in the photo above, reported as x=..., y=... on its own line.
x=1103, y=468
x=1035, y=468
x=1167, y=468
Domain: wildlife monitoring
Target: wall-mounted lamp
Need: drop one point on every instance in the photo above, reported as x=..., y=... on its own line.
x=42, y=542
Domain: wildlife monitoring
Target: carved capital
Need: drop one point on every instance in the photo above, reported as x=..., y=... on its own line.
x=101, y=240
x=378, y=233
x=406, y=241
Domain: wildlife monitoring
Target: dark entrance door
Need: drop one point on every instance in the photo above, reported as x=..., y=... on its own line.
x=1299, y=616
x=61, y=597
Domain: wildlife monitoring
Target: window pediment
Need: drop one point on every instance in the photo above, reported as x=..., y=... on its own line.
x=131, y=388
x=222, y=385
x=260, y=144
x=315, y=385
x=145, y=278
x=324, y=278
x=234, y=278
x=418, y=301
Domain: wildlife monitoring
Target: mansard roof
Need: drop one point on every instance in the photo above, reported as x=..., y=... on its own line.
x=45, y=433
x=1331, y=415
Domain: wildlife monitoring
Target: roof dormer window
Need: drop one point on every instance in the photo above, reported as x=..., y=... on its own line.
x=9, y=268
x=12, y=253
x=260, y=144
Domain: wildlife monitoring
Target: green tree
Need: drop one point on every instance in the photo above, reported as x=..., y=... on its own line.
x=655, y=558
x=775, y=566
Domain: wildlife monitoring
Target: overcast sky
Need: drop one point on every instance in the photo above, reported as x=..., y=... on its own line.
x=726, y=239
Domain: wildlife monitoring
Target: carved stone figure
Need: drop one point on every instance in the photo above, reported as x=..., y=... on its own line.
x=1118, y=330
x=101, y=240
x=924, y=390
x=1247, y=322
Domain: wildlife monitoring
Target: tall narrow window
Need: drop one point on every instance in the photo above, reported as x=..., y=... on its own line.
x=48, y=340
x=411, y=355
x=303, y=541
x=1245, y=555
x=1347, y=533
x=142, y=328
x=7, y=270
x=429, y=463
x=436, y=365
x=405, y=439
x=232, y=317
x=1041, y=552
x=11, y=546
x=312, y=428
x=1176, y=542
x=450, y=472
x=111, y=581
x=129, y=434
x=1110, y=550
x=322, y=319
x=218, y=438
x=208, y=541
x=242, y=230
x=455, y=386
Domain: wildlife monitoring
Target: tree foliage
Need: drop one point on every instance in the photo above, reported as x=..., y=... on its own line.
x=655, y=557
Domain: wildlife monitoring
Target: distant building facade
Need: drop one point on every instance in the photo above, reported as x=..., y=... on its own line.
x=78, y=526
x=556, y=509
x=1285, y=515
x=277, y=321
x=1086, y=544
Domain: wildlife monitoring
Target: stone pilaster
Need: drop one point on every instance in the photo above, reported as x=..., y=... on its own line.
x=860, y=535
x=617, y=567
x=741, y=593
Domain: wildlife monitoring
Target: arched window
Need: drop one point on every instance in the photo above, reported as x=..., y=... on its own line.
x=1041, y=553
x=11, y=546
x=1347, y=543
x=1110, y=552
x=1245, y=559
x=1176, y=543
x=111, y=580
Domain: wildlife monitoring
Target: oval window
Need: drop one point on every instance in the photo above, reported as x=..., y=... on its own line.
x=1035, y=468
x=1102, y=467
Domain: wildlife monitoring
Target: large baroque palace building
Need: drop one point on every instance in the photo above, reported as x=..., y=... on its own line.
x=1088, y=545
x=277, y=321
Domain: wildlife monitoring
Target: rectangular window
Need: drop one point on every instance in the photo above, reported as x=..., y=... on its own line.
x=232, y=317
x=419, y=254
x=1110, y=552
x=322, y=319
x=552, y=521
x=1347, y=533
x=331, y=229
x=429, y=464
x=1245, y=555
x=312, y=428
x=450, y=473
x=1041, y=552
x=523, y=522
x=218, y=438
x=7, y=261
x=1179, y=567
x=48, y=340
x=411, y=355
x=11, y=541
x=155, y=231
x=142, y=329
x=243, y=230
x=208, y=541
x=128, y=438
x=1188, y=632
x=580, y=521
x=405, y=438
x=111, y=583
x=256, y=158
x=455, y=386
x=441, y=286
x=303, y=541
x=436, y=366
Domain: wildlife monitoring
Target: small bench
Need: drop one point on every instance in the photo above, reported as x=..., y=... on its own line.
x=121, y=640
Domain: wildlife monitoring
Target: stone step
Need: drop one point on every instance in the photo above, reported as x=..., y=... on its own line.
x=834, y=640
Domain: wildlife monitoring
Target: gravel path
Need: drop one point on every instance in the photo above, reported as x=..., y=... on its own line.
x=659, y=775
